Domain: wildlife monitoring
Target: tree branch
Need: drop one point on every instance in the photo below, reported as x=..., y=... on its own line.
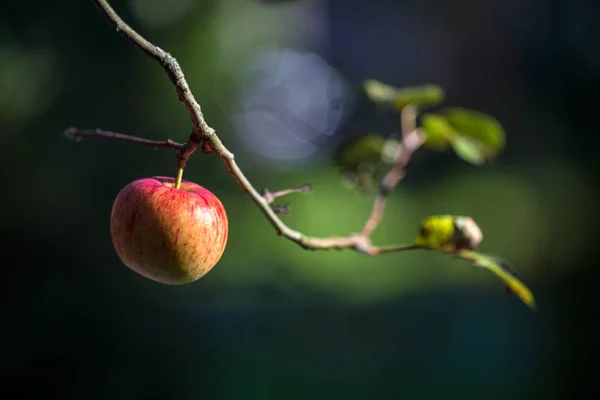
x=411, y=142
x=78, y=134
x=271, y=196
x=205, y=136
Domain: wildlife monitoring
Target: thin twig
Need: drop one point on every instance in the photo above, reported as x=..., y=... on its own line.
x=271, y=196
x=283, y=209
x=395, y=249
x=408, y=118
x=205, y=136
x=412, y=140
x=78, y=134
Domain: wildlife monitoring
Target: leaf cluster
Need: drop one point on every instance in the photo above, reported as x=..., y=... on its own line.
x=473, y=136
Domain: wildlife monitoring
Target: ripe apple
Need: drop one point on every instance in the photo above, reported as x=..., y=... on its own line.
x=172, y=236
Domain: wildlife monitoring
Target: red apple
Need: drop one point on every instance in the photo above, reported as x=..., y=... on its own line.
x=172, y=236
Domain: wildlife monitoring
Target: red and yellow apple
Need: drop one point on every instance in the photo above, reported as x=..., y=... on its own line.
x=173, y=236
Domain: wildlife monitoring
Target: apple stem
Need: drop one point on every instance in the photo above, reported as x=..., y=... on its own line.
x=178, y=178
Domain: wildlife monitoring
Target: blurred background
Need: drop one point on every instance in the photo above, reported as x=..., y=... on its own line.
x=281, y=82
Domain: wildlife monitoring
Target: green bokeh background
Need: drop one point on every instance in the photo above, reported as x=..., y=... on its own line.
x=273, y=321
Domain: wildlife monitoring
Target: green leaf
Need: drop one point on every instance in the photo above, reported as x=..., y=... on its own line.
x=472, y=144
x=362, y=181
x=379, y=92
x=363, y=150
x=469, y=150
x=438, y=131
x=504, y=272
x=479, y=126
x=419, y=96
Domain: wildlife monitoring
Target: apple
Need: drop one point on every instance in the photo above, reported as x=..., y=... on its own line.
x=172, y=236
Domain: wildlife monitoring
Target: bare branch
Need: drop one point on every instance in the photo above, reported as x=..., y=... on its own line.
x=279, y=208
x=411, y=142
x=271, y=196
x=395, y=249
x=408, y=117
x=78, y=134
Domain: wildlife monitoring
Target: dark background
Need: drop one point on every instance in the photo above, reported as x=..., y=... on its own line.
x=272, y=320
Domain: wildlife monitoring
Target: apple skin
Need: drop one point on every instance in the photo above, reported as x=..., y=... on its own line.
x=172, y=236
